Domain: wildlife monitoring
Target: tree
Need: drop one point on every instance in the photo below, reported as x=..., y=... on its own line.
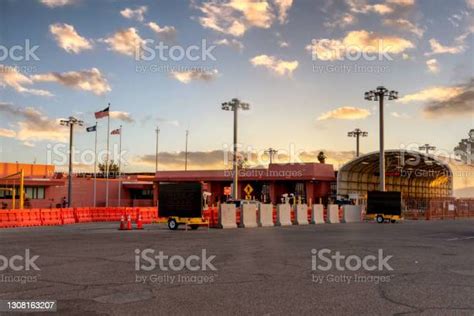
x=113, y=168
x=322, y=157
x=465, y=149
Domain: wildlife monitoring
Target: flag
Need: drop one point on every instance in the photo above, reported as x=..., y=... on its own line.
x=115, y=132
x=92, y=128
x=103, y=113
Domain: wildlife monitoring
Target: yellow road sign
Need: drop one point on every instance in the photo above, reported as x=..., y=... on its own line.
x=248, y=189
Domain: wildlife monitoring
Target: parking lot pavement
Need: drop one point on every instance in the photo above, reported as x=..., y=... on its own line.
x=92, y=268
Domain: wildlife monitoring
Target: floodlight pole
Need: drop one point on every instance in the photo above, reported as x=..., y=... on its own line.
x=357, y=133
x=378, y=95
x=427, y=148
x=270, y=151
x=156, y=148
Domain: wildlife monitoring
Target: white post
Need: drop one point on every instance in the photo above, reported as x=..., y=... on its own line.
x=120, y=167
x=95, y=167
x=107, y=162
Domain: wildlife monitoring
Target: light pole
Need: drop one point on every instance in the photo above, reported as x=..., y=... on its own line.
x=71, y=121
x=357, y=133
x=186, y=152
x=156, y=148
x=234, y=105
x=271, y=152
x=427, y=148
x=379, y=94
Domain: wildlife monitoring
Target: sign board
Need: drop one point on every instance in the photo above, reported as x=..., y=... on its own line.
x=227, y=191
x=248, y=189
x=180, y=199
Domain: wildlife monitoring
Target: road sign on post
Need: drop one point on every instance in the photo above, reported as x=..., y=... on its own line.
x=227, y=191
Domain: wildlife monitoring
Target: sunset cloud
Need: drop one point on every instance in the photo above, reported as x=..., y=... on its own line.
x=134, y=14
x=278, y=66
x=194, y=75
x=122, y=116
x=68, y=39
x=127, y=42
x=167, y=33
x=57, y=3
x=433, y=93
x=405, y=25
x=438, y=48
x=236, y=44
x=345, y=113
x=457, y=104
x=87, y=80
x=8, y=133
x=357, y=41
x=10, y=77
x=361, y=6
x=433, y=65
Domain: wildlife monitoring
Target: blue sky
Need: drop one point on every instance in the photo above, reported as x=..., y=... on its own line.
x=82, y=66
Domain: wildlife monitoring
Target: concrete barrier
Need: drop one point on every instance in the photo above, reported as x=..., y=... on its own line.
x=301, y=214
x=283, y=215
x=265, y=215
x=248, y=216
x=351, y=213
x=317, y=214
x=333, y=214
x=227, y=217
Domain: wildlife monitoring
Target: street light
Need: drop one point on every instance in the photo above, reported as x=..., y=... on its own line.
x=71, y=121
x=234, y=105
x=357, y=133
x=427, y=148
x=378, y=95
x=271, y=152
x=156, y=148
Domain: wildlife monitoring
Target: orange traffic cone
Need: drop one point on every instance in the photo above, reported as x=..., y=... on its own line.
x=122, y=223
x=129, y=222
x=139, y=222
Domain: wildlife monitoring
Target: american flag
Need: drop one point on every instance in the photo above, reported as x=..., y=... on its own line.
x=115, y=132
x=103, y=113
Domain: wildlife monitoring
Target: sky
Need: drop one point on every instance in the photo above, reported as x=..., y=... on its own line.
x=303, y=66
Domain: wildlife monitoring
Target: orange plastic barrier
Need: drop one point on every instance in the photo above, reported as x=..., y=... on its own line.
x=148, y=215
x=83, y=215
x=28, y=218
x=8, y=218
x=50, y=217
x=67, y=216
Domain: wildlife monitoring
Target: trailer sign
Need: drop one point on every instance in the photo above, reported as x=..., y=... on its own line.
x=180, y=199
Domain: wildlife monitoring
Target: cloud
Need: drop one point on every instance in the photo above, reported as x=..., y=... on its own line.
x=438, y=48
x=361, y=6
x=341, y=20
x=134, y=14
x=8, y=133
x=127, y=42
x=357, y=41
x=164, y=121
x=278, y=66
x=33, y=125
x=68, y=39
x=345, y=113
x=90, y=80
x=10, y=77
x=236, y=44
x=400, y=115
x=405, y=25
x=458, y=104
x=406, y=3
x=433, y=93
x=167, y=33
x=194, y=75
x=57, y=3
x=470, y=4
x=433, y=65
x=235, y=17
x=122, y=116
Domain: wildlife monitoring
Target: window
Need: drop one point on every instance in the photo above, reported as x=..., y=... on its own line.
x=35, y=193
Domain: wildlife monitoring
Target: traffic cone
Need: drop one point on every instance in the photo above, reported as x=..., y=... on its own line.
x=122, y=223
x=139, y=222
x=129, y=222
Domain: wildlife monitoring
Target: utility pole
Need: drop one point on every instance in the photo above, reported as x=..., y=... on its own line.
x=378, y=95
x=271, y=152
x=70, y=123
x=234, y=105
x=427, y=148
x=186, y=152
x=156, y=148
x=357, y=133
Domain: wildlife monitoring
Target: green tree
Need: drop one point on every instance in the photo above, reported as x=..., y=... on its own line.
x=113, y=168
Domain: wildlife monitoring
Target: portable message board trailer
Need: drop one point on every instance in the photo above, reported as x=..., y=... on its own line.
x=382, y=206
x=181, y=203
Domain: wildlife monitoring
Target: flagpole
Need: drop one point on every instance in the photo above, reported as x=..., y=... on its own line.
x=107, y=162
x=95, y=167
x=120, y=167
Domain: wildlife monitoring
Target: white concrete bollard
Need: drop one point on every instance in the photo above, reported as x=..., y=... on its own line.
x=283, y=215
x=351, y=213
x=265, y=215
x=248, y=216
x=301, y=214
x=317, y=214
x=333, y=214
x=227, y=217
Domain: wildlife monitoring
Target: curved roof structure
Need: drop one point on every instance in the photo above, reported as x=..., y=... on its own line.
x=415, y=174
